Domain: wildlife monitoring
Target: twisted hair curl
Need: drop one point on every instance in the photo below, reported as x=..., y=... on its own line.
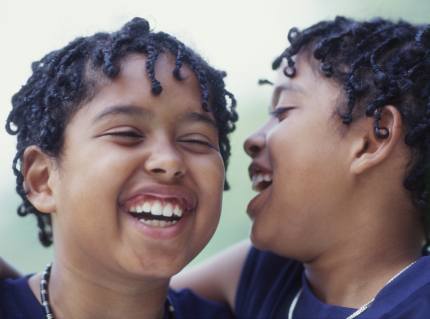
x=378, y=63
x=64, y=80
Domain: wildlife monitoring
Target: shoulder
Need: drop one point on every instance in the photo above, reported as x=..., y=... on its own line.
x=216, y=278
x=189, y=305
x=416, y=305
x=265, y=281
x=263, y=268
x=8, y=271
x=18, y=301
x=409, y=294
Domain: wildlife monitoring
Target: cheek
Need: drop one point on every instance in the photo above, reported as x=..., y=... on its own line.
x=292, y=145
x=292, y=158
x=90, y=184
x=309, y=167
x=103, y=165
x=206, y=170
x=208, y=174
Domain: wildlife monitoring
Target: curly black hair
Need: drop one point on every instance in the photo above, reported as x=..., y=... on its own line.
x=378, y=62
x=64, y=80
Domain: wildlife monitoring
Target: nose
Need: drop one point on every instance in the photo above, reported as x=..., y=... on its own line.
x=256, y=142
x=165, y=161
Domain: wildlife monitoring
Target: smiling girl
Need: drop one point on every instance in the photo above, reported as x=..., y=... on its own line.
x=340, y=226
x=122, y=140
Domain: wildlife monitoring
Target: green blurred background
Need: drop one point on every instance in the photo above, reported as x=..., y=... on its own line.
x=241, y=37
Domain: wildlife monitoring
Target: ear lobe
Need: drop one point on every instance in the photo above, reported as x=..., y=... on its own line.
x=372, y=150
x=36, y=169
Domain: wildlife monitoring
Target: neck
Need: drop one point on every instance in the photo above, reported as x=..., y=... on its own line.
x=73, y=295
x=352, y=271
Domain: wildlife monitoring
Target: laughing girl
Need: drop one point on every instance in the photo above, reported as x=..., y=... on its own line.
x=340, y=226
x=122, y=149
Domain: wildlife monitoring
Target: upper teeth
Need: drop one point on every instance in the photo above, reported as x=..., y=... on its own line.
x=168, y=210
x=259, y=177
x=156, y=208
x=146, y=207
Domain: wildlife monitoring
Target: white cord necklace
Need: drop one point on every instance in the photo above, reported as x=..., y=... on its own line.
x=355, y=314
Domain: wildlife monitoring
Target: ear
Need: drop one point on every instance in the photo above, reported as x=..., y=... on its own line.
x=370, y=150
x=36, y=169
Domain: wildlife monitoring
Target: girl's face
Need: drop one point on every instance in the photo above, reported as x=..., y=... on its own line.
x=303, y=157
x=129, y=151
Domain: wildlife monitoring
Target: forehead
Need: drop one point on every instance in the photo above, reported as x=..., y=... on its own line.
x=133, y=77
x=132, y=87
x=307, y=84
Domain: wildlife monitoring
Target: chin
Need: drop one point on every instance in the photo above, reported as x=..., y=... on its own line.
x=271, y=241
x=260, y=238
x=159, y=270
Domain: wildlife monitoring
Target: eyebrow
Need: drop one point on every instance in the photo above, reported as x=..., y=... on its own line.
x=130, y=110
x=290, y=88
x=294, y=89
x=194, y=117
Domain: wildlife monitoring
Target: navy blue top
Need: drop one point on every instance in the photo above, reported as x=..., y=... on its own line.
x=269, y=283
x=17, y=301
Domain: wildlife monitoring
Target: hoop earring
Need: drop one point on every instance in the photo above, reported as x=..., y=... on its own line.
x=381, y=131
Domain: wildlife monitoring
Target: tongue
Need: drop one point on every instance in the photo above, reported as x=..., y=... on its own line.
x=261, y=186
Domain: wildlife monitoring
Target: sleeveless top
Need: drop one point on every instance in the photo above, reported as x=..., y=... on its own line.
x=269, y=283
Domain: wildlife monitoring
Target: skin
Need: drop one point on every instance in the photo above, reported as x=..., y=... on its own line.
x=336, y=191
x=107, y=264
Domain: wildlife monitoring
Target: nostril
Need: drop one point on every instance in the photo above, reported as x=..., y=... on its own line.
x=254, y=149
x=158, y=170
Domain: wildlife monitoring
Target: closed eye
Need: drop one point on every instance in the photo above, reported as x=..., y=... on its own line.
x=126, y=134
x=197, y=142
x=278, y=112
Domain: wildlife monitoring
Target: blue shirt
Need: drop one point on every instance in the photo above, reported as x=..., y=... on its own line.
x=269, y=283
x=17, y=301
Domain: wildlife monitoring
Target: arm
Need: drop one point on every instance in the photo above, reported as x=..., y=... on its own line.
x=217, y=277
x=8, y=271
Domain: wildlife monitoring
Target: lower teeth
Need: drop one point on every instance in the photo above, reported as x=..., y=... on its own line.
x=158, y=223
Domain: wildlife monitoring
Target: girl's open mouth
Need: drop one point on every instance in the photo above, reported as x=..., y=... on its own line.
x=155, y=211
x=261, y=180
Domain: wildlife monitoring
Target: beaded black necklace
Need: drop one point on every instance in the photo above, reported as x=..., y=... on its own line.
x=168, y=306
